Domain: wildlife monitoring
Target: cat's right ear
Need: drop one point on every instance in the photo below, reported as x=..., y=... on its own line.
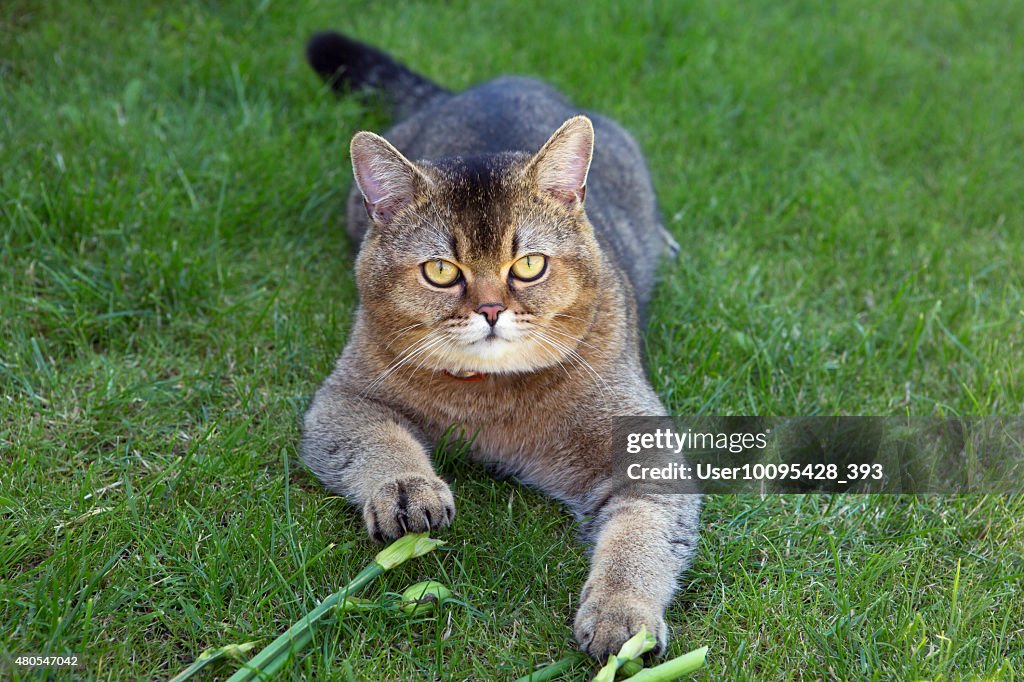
x=387, y=180
x=560, y=168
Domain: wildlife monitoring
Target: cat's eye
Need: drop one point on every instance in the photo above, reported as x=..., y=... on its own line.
x=529, y=268
x=441, y=273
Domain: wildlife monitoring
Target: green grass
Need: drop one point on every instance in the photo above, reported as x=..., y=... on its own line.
x=846, y=182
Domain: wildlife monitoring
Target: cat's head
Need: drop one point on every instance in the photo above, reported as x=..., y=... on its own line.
x=481, y=264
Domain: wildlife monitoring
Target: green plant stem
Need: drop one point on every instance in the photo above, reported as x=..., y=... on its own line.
x=673, y=669
x=273, y=666
x=550, y=672
x=235, y=651
x=298, y=635
x=631, y=667
x=275, y=655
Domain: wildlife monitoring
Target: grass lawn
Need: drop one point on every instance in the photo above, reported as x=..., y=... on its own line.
x=846, y=180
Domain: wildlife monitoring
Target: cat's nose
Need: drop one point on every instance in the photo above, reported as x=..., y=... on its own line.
x=491, y=312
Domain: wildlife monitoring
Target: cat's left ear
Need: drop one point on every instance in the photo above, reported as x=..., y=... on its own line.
x=560, y=168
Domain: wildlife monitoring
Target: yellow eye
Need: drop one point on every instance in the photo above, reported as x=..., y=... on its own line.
x=441, y=273
x=529, y=268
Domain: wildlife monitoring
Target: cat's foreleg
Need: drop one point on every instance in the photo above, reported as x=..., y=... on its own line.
x=369, y=453
x=642, y=544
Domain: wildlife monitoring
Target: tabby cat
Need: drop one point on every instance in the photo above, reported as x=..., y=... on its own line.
x=502, y=274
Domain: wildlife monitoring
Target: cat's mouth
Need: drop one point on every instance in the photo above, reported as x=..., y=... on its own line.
x=492, y=352
x=489, y=341
x=498, y=349
x=494, y=335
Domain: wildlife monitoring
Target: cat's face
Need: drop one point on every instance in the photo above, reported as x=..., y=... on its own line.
x=479, y=265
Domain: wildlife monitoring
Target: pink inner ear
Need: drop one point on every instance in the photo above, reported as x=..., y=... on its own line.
x=565, y=161
x=385, y=178
x=369, y=182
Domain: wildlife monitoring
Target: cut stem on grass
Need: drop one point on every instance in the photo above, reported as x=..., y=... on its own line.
x=295, y=639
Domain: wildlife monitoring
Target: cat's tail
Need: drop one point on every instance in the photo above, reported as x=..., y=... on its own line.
x=348, y=65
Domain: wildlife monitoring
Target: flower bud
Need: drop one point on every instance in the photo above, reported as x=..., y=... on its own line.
x=407, y=547
x=422, y=598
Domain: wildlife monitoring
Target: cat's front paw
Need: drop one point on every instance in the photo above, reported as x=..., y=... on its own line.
x=410, y=504
x=607, y=618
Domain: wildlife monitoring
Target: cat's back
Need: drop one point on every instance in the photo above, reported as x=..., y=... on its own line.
x=514, y=113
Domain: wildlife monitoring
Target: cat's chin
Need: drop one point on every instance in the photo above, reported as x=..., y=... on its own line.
x=495, y=355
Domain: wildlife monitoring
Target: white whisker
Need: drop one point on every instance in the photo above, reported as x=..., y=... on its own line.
x=573, y=357
x=394, y=336
x=570, y=336
x=411, y=351
x=446, y=341
x=560, y=362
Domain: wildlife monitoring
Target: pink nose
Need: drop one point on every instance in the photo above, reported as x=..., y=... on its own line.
x=491, y=312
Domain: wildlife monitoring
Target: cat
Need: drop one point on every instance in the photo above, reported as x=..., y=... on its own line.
x=502, y=271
